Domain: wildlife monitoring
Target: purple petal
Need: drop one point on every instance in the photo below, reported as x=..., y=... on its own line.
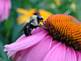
x=57, y=53
x=60, y=52
x=5, y=6
x=79, y=56
x=70, y=55
x=37, y=52
x=25, y=42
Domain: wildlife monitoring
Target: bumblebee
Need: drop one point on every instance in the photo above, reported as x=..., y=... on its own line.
x=33, y=23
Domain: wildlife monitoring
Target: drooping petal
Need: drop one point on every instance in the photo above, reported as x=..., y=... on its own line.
x=25, y=42
x=60, y=52
x=35, y=53
x=79, y=56
x=70, y=55
x=57, y=53
x=5, y=6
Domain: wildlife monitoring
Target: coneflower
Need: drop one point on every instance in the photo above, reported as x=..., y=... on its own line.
x=59, y=40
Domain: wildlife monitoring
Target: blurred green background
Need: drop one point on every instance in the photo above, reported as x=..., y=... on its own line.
x=10, y=30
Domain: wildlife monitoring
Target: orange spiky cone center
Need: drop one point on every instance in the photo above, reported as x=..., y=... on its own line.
x=66, y=29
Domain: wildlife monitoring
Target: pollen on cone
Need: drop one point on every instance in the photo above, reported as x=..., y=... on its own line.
x=66, y=29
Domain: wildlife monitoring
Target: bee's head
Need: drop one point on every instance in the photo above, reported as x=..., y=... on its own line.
x=39, y=17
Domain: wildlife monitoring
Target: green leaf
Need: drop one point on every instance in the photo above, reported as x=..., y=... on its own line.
x=17, y=31
x=78, y=9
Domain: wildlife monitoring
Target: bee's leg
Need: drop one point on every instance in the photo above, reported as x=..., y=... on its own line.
x=30, y=29
x=26, y=30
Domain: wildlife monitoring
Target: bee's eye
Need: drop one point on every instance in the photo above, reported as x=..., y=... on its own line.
x=39, y=18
